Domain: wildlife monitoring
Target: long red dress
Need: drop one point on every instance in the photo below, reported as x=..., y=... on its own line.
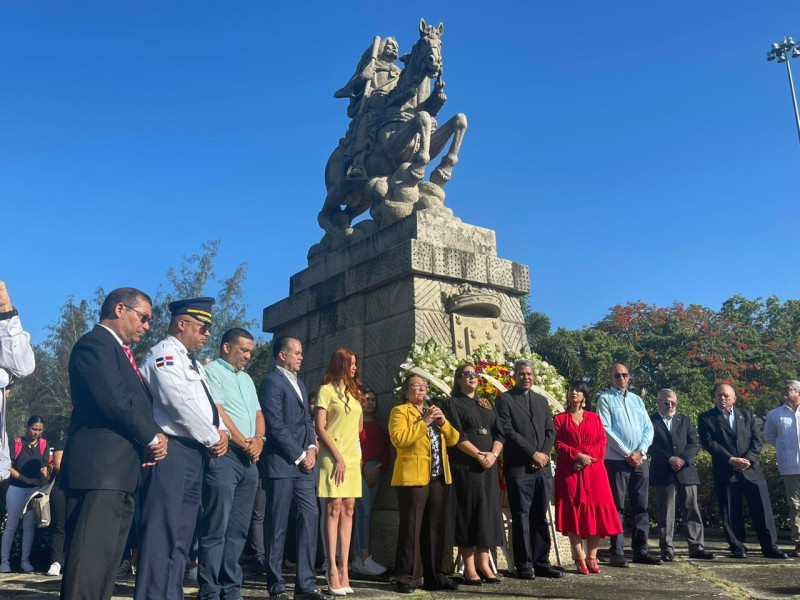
x=584, y=504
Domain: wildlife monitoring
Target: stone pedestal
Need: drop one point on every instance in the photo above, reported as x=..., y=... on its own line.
x=426, y=276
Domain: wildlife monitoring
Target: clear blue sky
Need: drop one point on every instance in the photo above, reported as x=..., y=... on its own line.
x=625, y=151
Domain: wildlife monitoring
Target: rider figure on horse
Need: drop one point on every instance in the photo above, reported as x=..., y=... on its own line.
x=376, y=75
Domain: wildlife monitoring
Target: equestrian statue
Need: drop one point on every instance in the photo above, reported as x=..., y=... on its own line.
x=380, y=163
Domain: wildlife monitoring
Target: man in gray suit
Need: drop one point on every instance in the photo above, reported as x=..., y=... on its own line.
x=673, y=473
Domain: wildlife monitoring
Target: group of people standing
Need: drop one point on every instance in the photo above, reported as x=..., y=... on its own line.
x=172, y=435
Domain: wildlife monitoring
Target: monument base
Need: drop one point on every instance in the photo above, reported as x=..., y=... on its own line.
x=427, y=276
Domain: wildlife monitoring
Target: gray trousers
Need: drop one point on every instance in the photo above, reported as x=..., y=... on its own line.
x=690, y=512
x=791, y=484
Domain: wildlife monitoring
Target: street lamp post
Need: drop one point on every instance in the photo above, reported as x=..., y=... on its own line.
x=780, y=51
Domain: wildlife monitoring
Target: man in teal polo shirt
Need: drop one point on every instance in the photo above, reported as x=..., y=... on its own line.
x=229, y=482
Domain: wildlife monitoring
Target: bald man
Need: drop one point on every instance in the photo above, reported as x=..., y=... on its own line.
x=733, y=437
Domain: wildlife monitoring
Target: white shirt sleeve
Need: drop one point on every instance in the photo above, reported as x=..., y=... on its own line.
x=16, y=353
x=180, y=392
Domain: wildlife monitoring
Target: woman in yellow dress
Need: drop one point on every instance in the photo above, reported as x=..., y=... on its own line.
x=339, y=421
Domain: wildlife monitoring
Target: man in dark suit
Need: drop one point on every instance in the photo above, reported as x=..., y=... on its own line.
x=733, y=438
x=289, y=458
x=673, y=472
x=111, y=429
x=528, y=426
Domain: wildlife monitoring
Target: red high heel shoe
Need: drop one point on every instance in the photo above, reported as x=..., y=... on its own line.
x=593, y=566
x=580, y=566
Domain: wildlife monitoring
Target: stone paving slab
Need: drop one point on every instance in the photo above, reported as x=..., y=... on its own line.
x=723, y=578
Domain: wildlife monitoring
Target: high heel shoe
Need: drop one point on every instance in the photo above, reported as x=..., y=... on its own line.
x=332, y=590
x=580, y=566
x=489, y=579
x=593, y=566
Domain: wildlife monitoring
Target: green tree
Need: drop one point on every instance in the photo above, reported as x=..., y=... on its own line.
x=46, y=392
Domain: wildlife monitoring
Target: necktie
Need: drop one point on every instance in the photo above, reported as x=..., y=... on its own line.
x=214, y=410
x=126, y=349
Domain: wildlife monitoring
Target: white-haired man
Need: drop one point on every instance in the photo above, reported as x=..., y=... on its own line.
x=782, y=430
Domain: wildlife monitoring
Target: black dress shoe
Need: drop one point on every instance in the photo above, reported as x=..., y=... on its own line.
x=477, y=581
x=548, y=571
x=776, y=554
x=618, y=560
x=525, y=574
x=702, y=555
x=739, y=553
x=405, y=588
x=446, y=585
x=667, y=557
x=646, y=559
x=315, y=595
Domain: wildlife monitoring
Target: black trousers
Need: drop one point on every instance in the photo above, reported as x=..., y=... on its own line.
x=635, y=482
x=420, y=539
x=729, y=496
x=97, y=526
x=58, y=520
x=528, y=500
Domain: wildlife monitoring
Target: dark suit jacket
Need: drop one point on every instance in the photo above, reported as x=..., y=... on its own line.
x=718, y=439
x=528, y=427
x=682, y=442
x=289, y=428
x=112, y=417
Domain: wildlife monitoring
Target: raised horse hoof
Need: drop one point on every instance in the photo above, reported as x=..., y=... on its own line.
x=441, y=176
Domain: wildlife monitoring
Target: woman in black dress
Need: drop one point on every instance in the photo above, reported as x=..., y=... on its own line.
x=478, y=521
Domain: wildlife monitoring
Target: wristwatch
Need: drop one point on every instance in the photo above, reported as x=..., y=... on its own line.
x=8, y=314
x=496, y=455
x=262, y=437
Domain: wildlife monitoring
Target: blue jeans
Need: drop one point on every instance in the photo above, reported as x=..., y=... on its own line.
x=229, y=490
x=364, y=510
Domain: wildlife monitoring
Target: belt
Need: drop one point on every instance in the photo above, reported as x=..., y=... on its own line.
x=478, y=431
x=188, y=442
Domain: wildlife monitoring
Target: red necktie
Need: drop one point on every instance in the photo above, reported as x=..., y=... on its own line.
x=129, y=354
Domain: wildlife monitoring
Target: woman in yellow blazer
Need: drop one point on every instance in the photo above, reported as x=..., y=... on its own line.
x=421, y=434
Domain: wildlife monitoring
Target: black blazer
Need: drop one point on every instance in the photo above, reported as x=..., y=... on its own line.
x=112, y=417
x=718, y=439
x=289, y=428
x=527, y=423
x=682, y=442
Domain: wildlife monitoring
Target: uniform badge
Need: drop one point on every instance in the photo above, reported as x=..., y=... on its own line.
x=164, y=361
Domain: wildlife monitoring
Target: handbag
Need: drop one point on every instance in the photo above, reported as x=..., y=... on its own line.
x=39, y=503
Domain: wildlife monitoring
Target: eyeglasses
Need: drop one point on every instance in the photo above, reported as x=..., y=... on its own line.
x=670, y=403
x=470, y=374
x=203, y=327
x=145, y=319
x=787, y=389
x=620, y=375
x=418, y=386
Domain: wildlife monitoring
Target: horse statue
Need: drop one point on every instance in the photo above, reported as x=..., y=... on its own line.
x=404, y=138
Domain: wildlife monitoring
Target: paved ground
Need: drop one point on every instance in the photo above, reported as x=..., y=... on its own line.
x=755, y=577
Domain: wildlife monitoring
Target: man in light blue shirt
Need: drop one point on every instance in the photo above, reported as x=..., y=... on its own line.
x=230, y=482
x=782, y=430
x=629, y=433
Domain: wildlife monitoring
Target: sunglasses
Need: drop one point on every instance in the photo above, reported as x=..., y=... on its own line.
x=145, y=319
x=620, y=375
x=470, y=375
x=670, y=403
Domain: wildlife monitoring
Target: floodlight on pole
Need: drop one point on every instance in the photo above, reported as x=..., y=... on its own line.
x=781, y=51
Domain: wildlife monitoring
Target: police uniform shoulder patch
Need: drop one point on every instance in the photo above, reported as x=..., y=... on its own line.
x=164, y=361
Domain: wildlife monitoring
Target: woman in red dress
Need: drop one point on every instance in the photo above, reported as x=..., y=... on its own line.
x=585, y=509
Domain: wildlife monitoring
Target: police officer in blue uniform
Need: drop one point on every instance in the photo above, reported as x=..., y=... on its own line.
x=185, y=411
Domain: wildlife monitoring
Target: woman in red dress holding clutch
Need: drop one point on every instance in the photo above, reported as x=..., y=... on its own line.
x=585, y=509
